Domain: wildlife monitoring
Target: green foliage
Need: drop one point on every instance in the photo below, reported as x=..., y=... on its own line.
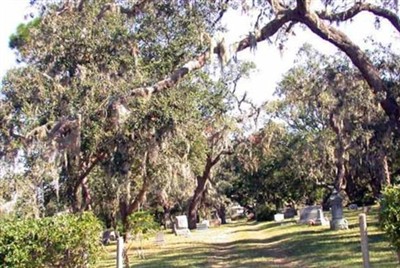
x=21, y=37
x=390, y=215
x=265, y=213
x=143, y=223
x=83, y=64
x=61, y=241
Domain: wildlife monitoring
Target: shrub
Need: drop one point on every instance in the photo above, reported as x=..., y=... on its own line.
x=390, y=215
x=61, y=241
x=142, y=223
x=265, y=213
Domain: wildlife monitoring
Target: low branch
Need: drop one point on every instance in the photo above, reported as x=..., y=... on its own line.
x=361, y=7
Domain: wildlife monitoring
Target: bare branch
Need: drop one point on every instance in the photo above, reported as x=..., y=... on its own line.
x=80, y=5
x=221, y=13
x=361, y=7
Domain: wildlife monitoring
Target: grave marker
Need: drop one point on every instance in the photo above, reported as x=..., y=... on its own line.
x=181, y=226
x=313, y=215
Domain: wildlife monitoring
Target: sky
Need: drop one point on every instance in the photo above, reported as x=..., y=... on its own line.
x=271, y=63
x=12, y=13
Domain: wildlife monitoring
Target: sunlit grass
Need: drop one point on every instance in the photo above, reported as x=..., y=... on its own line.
x=269, y=244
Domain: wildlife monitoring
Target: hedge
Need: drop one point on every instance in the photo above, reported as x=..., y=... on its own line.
x=59, y=241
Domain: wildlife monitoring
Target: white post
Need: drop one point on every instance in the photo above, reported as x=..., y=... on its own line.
x=364, y=240
x=120, y=250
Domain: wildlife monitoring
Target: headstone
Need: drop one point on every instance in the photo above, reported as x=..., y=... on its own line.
x=160, y=240
x=289, y=212
x=337, y=222
x=181, y=226
x=309, y=214
x=313, y=215
x=181, y=222
x=201, y=226
x=215, y=220
x=108, y=235
x=279, y=217
x=353, y=207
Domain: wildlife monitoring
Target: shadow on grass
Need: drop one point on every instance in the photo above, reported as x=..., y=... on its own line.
x=261, y=226
x=190, y=257
x=271, y=244
x=305, y=248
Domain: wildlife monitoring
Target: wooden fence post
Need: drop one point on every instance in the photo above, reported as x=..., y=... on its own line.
x=364, y=240
x=120, y=250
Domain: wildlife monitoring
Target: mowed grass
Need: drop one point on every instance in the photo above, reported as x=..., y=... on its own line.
x=268, y=244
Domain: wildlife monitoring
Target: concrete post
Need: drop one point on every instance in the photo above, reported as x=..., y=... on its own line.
x=364, y=240
x=120, y=250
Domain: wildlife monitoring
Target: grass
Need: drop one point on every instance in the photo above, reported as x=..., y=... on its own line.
x=268, y=244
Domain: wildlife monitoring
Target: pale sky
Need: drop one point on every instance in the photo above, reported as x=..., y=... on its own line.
x=12, y=13
x=271, y=63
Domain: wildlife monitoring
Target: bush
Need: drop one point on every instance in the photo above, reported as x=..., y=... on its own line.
x=61, y=241
x=142, y=223
x=390, y=215
x=265, y=213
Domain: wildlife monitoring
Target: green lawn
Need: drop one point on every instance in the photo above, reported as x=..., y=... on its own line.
x=269, y=244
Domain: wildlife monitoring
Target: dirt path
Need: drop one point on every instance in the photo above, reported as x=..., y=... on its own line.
x=245, y=245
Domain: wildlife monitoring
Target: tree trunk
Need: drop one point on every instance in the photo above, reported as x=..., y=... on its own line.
x=340, y=149
x=198, y=192
x=384, y=172
x=86, y=196
x=162, y=198
x=340, y=168
x=126, y=208
x=222, y=213
x=195, y=202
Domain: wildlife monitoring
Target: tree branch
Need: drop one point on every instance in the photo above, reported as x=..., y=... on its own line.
x=267, y=31
x=358, y=57
x=221, y=13
x=358, y=8
x=277, y=6
x=133, y=11
x=80, y=5
x=91, y=165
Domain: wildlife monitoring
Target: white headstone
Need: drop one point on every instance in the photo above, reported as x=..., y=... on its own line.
x=181, y=226
x=279, y=217
x=182, y=222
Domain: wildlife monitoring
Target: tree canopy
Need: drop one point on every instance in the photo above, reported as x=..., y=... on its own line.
x=119, y=105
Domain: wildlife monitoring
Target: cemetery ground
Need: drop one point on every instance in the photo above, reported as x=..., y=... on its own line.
x=265, y=244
